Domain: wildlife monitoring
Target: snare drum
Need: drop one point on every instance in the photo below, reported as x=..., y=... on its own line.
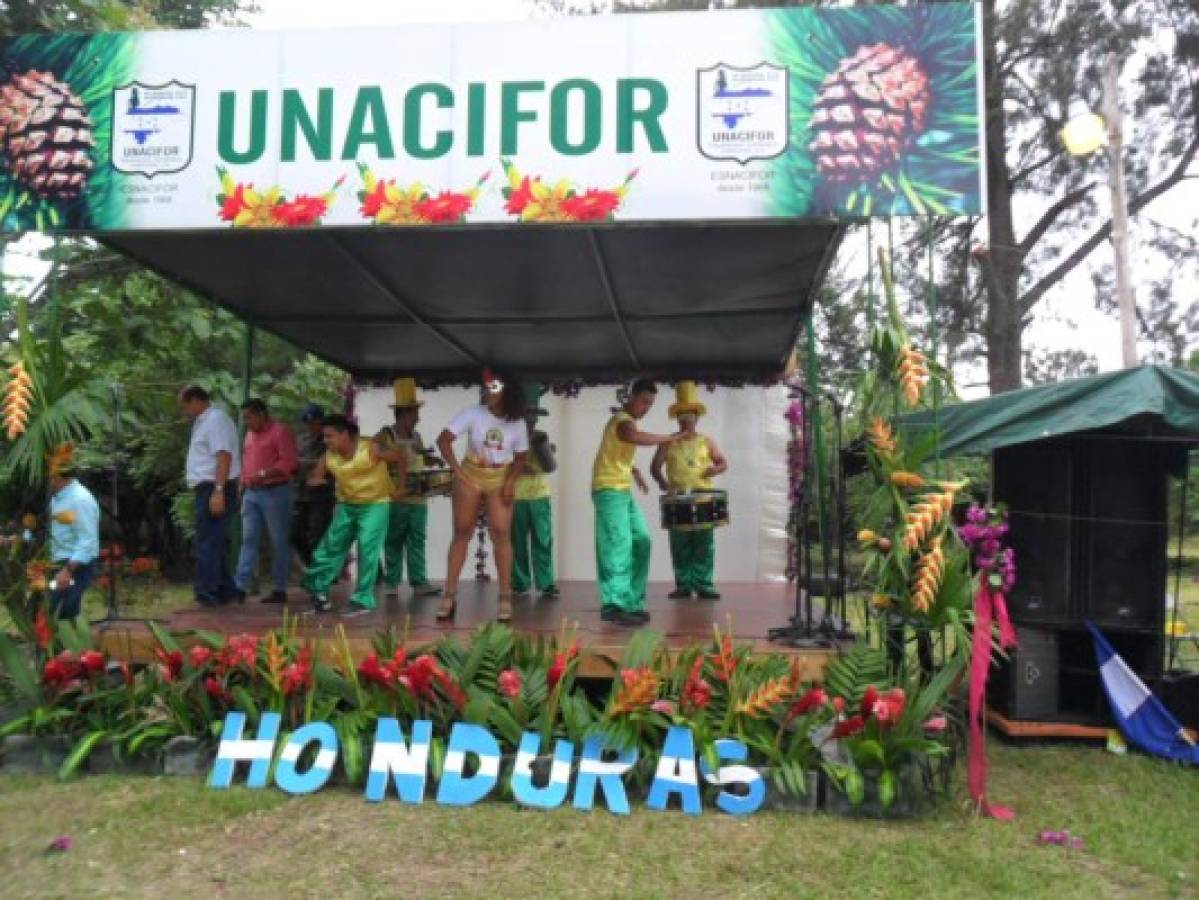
x=431, y=483
x=694, y=510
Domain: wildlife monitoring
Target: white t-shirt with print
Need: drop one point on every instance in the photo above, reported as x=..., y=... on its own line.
x=489, y=438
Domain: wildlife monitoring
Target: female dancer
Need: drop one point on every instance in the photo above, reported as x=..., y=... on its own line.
x=497, y=444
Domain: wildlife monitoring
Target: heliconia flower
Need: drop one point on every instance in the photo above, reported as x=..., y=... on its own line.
x=697, y=693
x=866, y=536
x=926, y=583
x=907, y=480
x=881, y=438
x=519, y=197
x=913, y=374
x=639, y=688
x=92, y=662
x=509, y=683
x=233, y=203
x=547, y=202
x=766, y=697
x=849, y=727
x=18, y=398
x=41, y=629
x=665, y=707
x=724, y=661
x=302, y=210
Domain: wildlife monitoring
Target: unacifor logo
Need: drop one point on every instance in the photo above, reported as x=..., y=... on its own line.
x=742, y=112
x=152, y=127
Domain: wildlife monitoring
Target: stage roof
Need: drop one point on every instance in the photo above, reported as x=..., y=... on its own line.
x=717, y=302
x=1148, y=400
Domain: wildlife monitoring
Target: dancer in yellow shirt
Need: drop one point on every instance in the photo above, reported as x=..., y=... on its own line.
x=622, y=541
x=532, y=519
x=691, y=463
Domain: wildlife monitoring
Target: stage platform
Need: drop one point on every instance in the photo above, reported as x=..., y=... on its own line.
x=752, y=608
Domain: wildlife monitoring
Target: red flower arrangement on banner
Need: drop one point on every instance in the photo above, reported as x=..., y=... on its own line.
x=532, y=199
x=244, y=206
x=386, y=203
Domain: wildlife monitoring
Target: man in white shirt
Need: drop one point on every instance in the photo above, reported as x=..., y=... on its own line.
x=213, y=468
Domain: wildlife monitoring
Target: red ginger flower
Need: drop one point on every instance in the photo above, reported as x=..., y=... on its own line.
x=370, y=670
x=41, y=629
x=451, y=689
x=509, y=683
x=697, y=693
x=813, y=699
x=298, y=676
x=419, y=676
x=60, y=670
x=562, y=659
x=889, y=708
x=868, y=700
x=849, y=727
x=172, y=663
x=200, y=656
x=217, y=691
x=92, y=662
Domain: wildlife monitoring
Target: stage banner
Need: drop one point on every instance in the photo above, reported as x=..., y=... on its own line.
x=753, y=114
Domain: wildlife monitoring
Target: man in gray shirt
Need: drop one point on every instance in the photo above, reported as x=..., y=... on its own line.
x=213, y=468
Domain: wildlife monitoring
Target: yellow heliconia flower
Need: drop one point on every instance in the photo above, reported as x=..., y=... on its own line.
x=259, y=211
x=547, y=202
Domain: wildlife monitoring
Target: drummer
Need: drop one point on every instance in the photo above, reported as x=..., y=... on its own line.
x=408, y=525
x=691, y=463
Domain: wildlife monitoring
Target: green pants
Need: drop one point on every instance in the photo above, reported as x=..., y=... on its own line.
x=693, y=555
x=406, y=532
x=622, y=547
x=365, y=523
x=532, y=541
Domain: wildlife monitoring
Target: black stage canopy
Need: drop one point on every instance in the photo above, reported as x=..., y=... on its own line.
x=722, y=302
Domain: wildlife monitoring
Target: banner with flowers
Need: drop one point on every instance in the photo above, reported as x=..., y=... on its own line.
x=802, y=112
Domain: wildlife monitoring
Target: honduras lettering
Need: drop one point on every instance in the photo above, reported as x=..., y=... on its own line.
x=400, y=767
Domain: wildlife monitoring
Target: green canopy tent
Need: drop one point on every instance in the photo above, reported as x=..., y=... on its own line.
x=1149, y=400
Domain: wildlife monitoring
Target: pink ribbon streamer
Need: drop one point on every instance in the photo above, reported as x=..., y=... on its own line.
x=986, y=603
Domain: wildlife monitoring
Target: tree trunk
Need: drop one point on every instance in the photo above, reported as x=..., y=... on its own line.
x=1003, y=261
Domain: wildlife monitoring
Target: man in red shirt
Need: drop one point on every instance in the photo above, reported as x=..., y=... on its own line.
x=269, y=463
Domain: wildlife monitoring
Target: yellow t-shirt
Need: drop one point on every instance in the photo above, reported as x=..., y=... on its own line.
x=613, y=469
x=533, y=484
x=414, y=448
x=359, y=480
x=686, y=462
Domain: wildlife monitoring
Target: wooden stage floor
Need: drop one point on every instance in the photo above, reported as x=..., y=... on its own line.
x=752, y=608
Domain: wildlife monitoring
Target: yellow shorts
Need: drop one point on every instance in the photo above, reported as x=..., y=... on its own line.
x=488, y=480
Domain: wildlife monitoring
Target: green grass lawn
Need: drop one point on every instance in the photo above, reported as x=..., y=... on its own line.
x=167, y=837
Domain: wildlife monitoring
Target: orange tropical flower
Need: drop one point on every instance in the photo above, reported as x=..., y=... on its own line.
x=18, y=398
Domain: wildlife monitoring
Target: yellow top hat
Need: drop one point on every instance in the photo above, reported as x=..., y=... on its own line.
x=687, y=400
x=405, y=391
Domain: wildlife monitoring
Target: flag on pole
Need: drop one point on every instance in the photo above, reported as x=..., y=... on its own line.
x=1140, y=715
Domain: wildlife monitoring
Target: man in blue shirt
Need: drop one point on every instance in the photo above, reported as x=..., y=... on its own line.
x=74, y=542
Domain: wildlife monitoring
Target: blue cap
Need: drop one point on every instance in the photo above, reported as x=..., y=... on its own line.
x=312, y=412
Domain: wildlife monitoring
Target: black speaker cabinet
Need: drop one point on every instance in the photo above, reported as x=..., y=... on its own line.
x=1025, y=686
x=1035, y=482
x=1088, y=519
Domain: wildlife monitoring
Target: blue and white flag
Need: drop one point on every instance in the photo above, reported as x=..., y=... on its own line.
x=1140, y=715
